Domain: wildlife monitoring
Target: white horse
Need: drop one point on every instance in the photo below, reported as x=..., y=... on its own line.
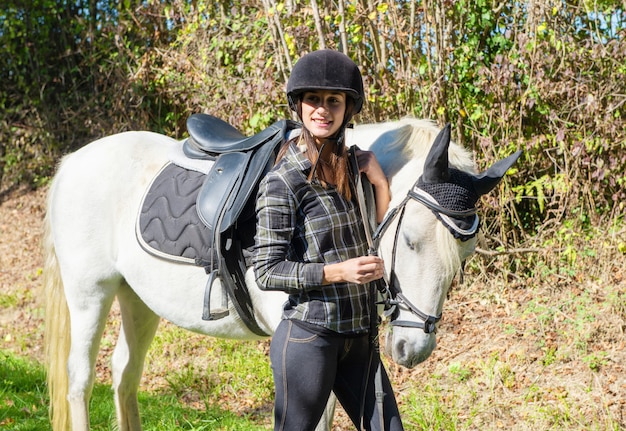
x=93, y=256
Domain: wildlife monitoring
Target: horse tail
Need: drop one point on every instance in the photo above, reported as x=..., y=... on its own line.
x=57, y=329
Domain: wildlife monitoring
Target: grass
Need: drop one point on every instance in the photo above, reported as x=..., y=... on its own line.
x=226, y=373
x=431, y=409
x=23, y=394
x=519, y=358
x=24, y=405
x=557, y=363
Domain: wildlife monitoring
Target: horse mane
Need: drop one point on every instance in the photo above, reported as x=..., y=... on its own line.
x=423, y=133
x=408, y=142
x=402, y=155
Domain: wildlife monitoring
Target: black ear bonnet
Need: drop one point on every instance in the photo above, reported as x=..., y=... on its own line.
x=457, y=194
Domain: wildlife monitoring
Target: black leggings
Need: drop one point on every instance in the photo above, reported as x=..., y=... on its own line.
x=307, y=366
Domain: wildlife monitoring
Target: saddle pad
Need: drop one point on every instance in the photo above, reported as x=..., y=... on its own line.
x=168, y=225
x=177, y=156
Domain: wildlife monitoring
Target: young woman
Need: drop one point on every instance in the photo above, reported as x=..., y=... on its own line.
x=311, y=244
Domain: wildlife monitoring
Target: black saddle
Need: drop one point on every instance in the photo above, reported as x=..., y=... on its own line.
x=240, y=163
x=226, y=201
x=208, y=219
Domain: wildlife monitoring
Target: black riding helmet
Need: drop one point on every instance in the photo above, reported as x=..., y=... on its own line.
x=326, y=70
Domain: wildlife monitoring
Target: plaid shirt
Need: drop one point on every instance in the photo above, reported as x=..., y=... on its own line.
x=300, y=228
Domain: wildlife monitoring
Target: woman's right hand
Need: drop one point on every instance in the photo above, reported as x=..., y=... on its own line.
x=359, y=270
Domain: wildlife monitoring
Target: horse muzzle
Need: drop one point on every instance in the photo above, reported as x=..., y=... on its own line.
x=408, y=347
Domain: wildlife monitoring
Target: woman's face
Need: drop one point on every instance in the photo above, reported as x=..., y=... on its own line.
x=323, y=112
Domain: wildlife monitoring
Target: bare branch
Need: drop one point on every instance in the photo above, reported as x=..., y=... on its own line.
x=507, y=252
x=318, y=24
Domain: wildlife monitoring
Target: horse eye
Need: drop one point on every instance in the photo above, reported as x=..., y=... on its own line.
x=409, y=243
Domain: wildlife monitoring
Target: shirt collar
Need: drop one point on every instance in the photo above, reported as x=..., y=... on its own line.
x=300, y=158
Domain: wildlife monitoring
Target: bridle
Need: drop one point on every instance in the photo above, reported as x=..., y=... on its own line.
x=451, y=195
x=393, y=298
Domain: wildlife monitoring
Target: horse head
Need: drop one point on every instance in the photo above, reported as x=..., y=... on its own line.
x=423, y=240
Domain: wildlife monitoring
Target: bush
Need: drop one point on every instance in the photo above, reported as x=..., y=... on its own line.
x=548, y=78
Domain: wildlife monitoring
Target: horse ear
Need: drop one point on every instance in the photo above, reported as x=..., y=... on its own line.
x=436, y=164
x=486, y=181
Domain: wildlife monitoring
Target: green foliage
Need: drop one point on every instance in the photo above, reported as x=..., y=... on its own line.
x=245, y=371
x=547, y=78
x=459, y=371
x=428, y=411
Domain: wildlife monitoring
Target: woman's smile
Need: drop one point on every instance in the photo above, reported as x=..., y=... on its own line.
x=323, y=112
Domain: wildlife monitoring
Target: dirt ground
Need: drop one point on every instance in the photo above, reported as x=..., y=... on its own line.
x=516, y=353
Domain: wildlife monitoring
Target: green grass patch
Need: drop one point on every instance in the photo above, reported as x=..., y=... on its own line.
x=431, y=408
x=216, y=369
x=23, y=395
x=24, y=405
x=7, y=301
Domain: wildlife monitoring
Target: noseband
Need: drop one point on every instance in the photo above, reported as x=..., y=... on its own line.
x=393, y=298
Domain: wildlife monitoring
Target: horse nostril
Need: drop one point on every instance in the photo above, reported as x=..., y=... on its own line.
x=400, y=350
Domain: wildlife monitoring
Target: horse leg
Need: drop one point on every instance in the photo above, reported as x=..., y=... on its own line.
x=326, y=422
x=88, y=317
x=139, y=324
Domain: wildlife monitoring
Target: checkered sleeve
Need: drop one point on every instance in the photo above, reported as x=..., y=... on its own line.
x=276, y=220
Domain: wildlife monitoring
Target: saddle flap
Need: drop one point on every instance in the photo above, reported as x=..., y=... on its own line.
x=258, y=165
x=219, y=186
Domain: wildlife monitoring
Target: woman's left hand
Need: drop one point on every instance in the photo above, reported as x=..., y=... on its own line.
x=368, y=165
